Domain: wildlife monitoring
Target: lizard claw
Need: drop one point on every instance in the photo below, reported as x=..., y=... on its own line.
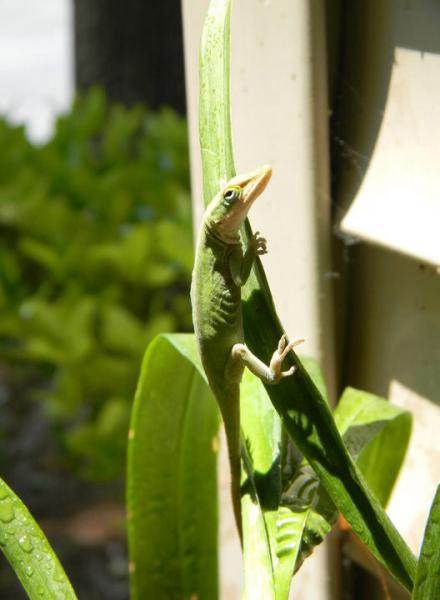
x=289, y=372
x=259, y=243
x=279, y=355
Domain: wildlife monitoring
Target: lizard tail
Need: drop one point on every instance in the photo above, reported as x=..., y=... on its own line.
x=236, y=492
x=231, y=418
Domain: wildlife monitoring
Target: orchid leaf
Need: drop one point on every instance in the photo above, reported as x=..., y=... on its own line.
x=376, y=434
x=28, y=551
x=427, y=584
x=172, y=476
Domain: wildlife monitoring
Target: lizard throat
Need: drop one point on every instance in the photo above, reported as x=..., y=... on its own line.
x=223, y=238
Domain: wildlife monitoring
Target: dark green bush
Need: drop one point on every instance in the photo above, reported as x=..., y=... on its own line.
x=95, y=260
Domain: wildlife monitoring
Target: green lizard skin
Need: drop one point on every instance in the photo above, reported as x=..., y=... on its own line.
x=221, y=268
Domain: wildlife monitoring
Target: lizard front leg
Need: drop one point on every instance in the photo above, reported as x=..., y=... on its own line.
x=240, y=264
x=270, y=374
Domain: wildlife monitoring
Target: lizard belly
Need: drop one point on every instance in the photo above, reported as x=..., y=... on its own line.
x=219, y=334
x=216, y=303
x=224, y=313
x=218, y=327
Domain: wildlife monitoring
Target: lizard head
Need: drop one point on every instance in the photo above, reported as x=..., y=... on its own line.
x=230, y=207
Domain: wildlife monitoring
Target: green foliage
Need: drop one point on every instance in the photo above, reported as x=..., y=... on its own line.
x=376, y=434
x=171, y=479
x=95, y=260
x=172, y=476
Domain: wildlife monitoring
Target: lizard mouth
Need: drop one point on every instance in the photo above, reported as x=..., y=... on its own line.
x=253, y=184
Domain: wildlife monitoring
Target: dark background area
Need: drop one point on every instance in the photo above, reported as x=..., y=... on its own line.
x=133, y=49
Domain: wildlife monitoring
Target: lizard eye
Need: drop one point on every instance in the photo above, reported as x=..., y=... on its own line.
x=231, y=195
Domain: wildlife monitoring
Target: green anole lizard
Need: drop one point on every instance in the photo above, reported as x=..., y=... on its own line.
x=221, y=268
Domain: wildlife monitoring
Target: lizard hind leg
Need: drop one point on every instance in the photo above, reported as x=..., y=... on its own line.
x=272, y=373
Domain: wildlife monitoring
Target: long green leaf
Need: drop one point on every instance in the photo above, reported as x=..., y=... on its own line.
x=261, y=426
x=305, y=414
x=259, y=582
x=427, y=584
x=28, y=551
x=214, y=105
x=261, y=487
x=172, y=483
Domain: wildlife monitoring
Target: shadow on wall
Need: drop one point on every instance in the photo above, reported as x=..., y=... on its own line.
x=370, y=34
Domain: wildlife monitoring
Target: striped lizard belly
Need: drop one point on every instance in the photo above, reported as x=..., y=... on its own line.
x=216, y=301
x=218, y=327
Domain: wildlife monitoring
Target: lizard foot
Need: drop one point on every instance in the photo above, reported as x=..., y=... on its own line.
x=259, y=243
x=279, y=355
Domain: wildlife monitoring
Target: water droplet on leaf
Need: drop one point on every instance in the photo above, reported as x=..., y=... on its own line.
x=6, y=512
x=25, y=544
x=58, y=577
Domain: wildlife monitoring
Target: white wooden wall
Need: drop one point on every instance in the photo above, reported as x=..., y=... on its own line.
x=389, y=292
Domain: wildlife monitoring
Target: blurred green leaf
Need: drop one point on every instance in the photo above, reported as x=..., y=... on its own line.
x=95, y=257
x=121, y=331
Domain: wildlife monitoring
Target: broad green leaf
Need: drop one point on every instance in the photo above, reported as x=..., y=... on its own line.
x=28, y=551
x=376, y=434
x=427, y=584
x=172, y=483
x=304, y=413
